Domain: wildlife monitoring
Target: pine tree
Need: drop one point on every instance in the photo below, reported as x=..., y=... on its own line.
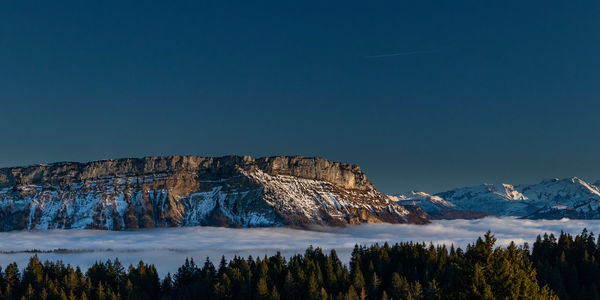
x=186, y=274
x=262, y=291
x=33, y=275
x=63, y=295
x=100, y=295
x=166, y=285
x=400, y=288
x=433, y=291
x=384, y=296
x=313, y=291
x=274, y=294
x=374, y=284
x=351, y=294
x=358, y=280
x=222, y=266
x=29, y=292
x=289, y=286
x=11, y=280
x=331, y=280
x=480, y=288
x=416, y=291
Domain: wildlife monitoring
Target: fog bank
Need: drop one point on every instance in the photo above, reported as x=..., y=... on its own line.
x=167, y=248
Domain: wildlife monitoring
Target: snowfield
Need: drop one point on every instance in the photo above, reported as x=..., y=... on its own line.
x=167, y=248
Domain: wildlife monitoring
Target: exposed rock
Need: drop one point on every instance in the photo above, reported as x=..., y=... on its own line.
x=190, y=190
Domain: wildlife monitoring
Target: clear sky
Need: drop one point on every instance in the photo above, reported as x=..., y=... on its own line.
x=425, y=95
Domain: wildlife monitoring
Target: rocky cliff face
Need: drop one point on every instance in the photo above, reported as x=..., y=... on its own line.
x=189, y=191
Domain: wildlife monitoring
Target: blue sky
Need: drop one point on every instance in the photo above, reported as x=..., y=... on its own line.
x=423, y=95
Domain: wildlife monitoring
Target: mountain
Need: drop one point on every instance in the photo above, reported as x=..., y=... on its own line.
x=426, y=201
x=564, y=198
x=549, y=199
x=190, y=190
x=435, y=206
x=498, y=199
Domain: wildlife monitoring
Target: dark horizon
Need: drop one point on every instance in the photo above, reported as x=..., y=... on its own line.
x=422, y=97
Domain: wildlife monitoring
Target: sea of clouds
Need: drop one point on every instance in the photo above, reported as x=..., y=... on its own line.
x=167, y=248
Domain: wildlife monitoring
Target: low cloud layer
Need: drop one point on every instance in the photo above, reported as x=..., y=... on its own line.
x=167, y=248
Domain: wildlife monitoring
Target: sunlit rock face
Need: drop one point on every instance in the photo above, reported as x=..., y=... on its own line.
x=189, y=191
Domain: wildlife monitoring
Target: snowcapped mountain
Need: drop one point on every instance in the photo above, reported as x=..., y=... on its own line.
x=570, y=197
x=549, y=199
x=435, y=206
x=430, y=203
x=190, y=190
x=497, y=199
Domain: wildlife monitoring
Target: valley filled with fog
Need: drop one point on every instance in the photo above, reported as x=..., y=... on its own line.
x=168, y=248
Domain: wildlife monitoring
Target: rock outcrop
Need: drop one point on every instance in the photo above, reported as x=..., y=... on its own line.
x=190, y=190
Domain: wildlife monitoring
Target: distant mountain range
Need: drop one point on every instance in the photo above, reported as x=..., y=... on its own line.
x=241, y=191
x=236, y=191
x=550, y=199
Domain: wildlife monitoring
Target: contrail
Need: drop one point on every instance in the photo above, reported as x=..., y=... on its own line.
x=402, y=54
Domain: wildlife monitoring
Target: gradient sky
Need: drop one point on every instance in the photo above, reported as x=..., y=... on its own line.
x=425, y=95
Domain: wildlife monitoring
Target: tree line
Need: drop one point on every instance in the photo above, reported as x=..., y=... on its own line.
x=569, y=264
x=565, y=267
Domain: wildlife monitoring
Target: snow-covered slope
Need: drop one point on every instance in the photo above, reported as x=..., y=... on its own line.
x=435, y=206
x=430, y=203
x=554, y=198
x=189, y=190
x=498, y=199
x=569, y=197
